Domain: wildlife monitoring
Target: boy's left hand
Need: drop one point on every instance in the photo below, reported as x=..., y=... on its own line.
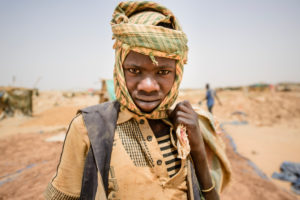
x=184, y=114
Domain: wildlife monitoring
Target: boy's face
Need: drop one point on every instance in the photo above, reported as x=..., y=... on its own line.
x=147, y=83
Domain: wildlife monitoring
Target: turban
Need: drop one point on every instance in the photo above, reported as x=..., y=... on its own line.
x=136, y=27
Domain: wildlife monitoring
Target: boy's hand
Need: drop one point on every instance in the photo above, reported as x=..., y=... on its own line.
x=184, y=114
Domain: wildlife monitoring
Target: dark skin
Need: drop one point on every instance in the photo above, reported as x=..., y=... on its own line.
x=148, y=85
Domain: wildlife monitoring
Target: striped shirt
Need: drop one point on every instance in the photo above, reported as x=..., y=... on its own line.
x=169, y=154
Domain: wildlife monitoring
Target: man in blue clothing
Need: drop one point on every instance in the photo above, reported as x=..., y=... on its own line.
x=209, y=97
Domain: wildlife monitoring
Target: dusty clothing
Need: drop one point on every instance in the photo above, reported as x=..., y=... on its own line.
x=137, y=170
x=170, y=154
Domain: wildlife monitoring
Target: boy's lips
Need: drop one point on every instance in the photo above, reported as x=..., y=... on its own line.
x=147, y=105
x=148, y=100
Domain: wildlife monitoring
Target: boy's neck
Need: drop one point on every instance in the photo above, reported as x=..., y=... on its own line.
x=158, y=127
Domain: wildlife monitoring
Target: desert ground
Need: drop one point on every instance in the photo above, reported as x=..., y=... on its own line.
x=261, y=127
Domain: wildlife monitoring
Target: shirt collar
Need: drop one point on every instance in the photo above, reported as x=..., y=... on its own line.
x=125, y=115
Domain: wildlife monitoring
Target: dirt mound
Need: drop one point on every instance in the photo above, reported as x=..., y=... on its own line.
x=27, y=164
x=59, y=115
x=263, y=108
x=259, y=108
x=247, y=184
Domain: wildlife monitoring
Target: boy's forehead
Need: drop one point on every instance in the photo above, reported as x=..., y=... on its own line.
x=134, y=58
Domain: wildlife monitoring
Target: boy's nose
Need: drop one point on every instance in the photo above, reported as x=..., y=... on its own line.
x=148, y=84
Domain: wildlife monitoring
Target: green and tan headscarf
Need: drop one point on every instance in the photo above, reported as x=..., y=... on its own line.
x=134, y=27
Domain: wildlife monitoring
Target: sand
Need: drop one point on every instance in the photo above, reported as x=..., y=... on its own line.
x=28, y=159
x=267, y=147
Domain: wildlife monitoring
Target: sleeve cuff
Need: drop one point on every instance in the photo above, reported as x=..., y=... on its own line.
x=52, y=193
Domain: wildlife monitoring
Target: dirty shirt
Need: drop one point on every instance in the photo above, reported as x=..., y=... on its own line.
x=142, y=166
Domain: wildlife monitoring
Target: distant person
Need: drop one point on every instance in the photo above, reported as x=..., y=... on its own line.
x=136, y=147
x=209, y=97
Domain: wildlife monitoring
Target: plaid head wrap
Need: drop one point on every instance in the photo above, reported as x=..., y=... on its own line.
x=135, y=28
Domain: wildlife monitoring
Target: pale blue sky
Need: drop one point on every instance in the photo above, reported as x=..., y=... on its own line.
x=68, y=43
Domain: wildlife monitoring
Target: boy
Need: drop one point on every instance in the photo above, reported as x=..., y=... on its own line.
x=128, y=149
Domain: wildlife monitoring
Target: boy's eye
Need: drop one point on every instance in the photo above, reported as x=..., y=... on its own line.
x=163, y=72
x=134, y=70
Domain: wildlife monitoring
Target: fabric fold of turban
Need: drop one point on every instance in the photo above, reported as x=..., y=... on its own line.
x=136, y=26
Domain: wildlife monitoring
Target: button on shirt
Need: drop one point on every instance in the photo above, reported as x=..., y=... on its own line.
x=149, y=138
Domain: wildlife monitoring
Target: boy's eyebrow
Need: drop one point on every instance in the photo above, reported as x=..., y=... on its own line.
x=131, y=65
x=165, y=66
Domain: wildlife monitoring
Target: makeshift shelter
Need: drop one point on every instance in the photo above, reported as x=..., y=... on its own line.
x=286, y=87
x=14, y=99
x=259, y=87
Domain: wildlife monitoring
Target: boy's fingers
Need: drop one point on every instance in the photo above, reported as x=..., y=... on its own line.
x=169, y=112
